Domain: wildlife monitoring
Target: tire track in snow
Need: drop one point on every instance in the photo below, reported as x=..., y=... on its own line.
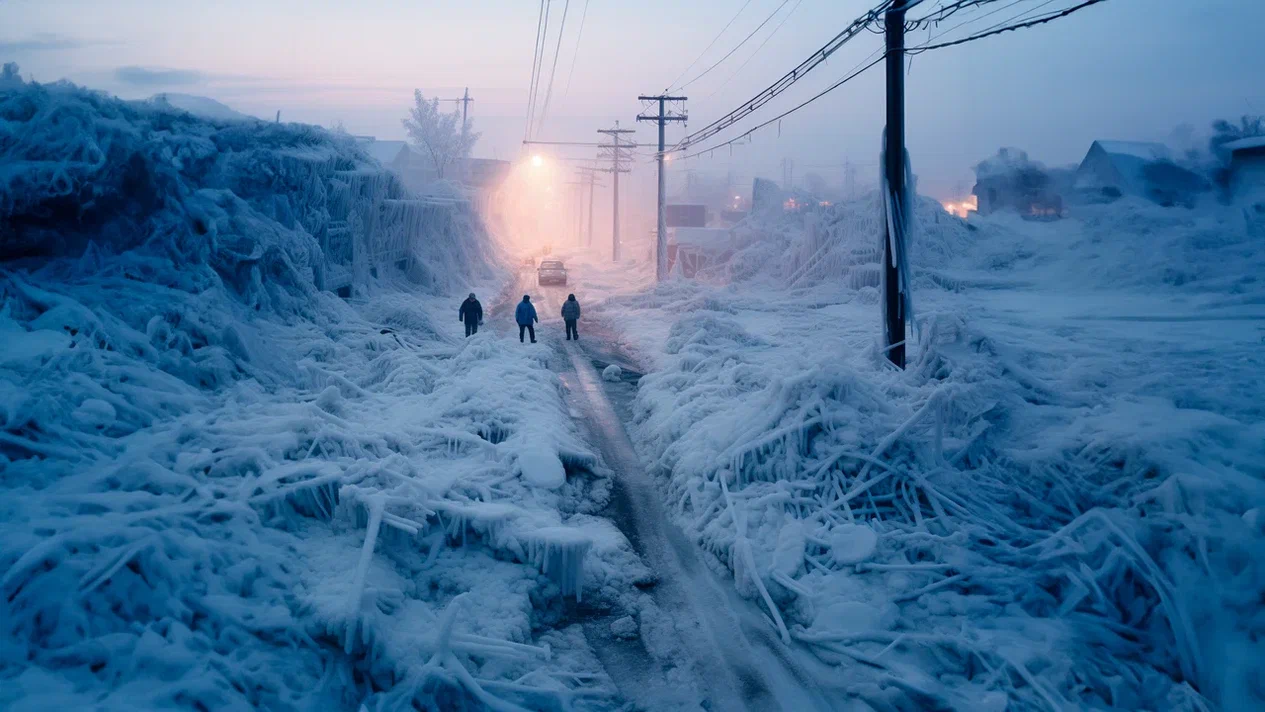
x=732, y=658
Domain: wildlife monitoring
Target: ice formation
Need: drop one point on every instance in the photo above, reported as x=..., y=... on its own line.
x=1052, y=507
x=224, y=487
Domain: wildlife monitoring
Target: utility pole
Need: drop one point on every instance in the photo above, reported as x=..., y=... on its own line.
x=661, y=235
x=588, y=176
x=617, y=152
x=894, y=169
x=465, y=109
x=579, y=207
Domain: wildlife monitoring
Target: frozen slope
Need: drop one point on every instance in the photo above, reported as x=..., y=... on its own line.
x=223, y=488
x=1058, y=505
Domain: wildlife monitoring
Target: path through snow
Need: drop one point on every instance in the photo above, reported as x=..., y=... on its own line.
x=701, y=645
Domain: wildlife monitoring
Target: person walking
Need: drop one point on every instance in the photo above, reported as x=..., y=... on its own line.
x=471, y=312
x=570, y=315
x=526, y=317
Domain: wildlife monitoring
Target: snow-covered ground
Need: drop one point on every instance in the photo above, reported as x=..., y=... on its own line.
x=1058, y=504
x=225, y=489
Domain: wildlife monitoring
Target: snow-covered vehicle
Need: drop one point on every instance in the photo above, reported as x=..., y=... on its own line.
x=551, y=272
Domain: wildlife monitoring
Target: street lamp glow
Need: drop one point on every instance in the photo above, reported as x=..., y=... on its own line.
x=537, y=161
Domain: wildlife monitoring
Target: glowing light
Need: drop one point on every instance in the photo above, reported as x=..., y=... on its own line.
x=667, y=156
x=537, y=161
x=962, y=208
x=737, y=197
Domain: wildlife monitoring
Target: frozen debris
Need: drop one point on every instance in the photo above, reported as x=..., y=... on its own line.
x=541, y=466
x=559, y=552
x=1056, y=464
x=94, y=414
x=214, y=467
x=624, y=628
x=612, y=373
x=852, y=543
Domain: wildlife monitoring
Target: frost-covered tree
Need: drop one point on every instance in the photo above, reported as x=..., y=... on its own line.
x=437, y=135
x=9, y=74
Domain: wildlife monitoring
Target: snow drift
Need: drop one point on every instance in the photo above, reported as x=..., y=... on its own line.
x=1057, y=506
x=225, y=488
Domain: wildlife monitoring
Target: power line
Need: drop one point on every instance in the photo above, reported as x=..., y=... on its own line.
x=962, y=4
x=799, y=106
x=739, y=46
x=765, y=96
x=1049, y=17
x=531, y=83
x=544, y=38
x=576, y=55
x=738, y=71
x=544, y=113
x=709, y=46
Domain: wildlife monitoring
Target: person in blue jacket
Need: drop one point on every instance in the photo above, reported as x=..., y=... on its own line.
x=526, y=317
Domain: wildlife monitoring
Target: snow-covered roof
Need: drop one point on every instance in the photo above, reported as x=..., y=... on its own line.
x=1245, y=144
x=384, y=152
x=203, y=106
x=1137, y=149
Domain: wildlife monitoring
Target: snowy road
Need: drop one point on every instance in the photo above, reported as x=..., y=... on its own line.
x=701, y=645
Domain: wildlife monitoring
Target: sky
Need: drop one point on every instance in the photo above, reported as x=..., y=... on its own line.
x=1123, y=69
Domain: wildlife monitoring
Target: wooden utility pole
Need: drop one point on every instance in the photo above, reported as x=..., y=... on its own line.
x=465, y=109
x=661, y=234
x=617, y=152
x=588, y=176
x=895, y=219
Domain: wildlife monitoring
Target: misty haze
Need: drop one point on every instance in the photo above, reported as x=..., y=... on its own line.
x=808, y=355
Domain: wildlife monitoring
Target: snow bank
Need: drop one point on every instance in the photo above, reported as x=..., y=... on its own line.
x=224, y=488
x=1052, y=508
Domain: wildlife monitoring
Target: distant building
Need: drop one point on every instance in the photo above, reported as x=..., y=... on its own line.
x=685, y=215
x=1112, y=169
x=1011, y=181
x=1247, y=169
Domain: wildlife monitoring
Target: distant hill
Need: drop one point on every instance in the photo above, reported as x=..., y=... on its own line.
x=202, y=106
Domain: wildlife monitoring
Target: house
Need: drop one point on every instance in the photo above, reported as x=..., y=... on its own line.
x=391, y=154
x=1011, y=181
x=485, y=177
x=1247, y=169
x=1112, y=169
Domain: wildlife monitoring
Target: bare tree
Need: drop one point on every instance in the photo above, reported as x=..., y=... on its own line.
x=438, y=135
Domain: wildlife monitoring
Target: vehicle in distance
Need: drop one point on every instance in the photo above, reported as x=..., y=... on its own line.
x=551, y=272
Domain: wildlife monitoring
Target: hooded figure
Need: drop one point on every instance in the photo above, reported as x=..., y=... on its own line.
x=525, y=315
x=471, y=312
x=570, y=315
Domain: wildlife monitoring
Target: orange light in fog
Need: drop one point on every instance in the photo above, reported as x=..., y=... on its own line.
x=537, y=161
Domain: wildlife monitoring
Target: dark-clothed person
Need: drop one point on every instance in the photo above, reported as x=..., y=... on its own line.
x=525, y=315
x=471, y=313
x=570, y=315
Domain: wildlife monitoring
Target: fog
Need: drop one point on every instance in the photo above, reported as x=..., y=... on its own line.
x=1126, y=69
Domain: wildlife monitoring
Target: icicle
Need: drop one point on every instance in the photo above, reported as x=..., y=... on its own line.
x=376, y=507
